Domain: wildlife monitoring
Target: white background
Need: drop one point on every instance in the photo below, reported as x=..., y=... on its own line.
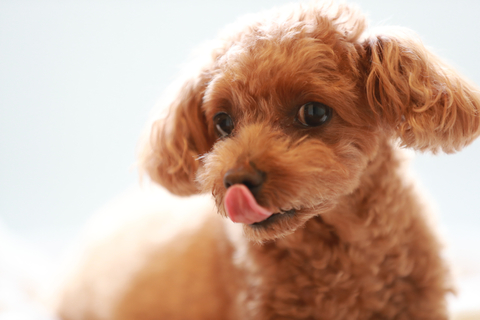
x=78, y=79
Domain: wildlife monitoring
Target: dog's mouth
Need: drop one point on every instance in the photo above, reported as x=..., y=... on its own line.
x=242, y=207
x=274, y=218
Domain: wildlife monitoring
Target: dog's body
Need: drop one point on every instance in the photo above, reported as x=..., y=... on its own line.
x=189, y=263
x=292, y=125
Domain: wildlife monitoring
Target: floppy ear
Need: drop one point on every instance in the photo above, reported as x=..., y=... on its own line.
x=429, y=106
x=169, y=151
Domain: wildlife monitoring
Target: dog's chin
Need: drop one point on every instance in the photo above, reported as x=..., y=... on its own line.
x=281, y=224
x=274, y=218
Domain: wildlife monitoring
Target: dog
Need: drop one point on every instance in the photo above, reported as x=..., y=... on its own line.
x=295, y=123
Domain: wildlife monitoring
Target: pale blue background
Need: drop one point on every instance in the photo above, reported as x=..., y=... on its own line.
x=78, y=79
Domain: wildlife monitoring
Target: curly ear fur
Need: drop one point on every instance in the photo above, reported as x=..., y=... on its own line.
x=169, y=152
x=428, y=105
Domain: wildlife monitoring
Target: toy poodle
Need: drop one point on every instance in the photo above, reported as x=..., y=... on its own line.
x=294, y=121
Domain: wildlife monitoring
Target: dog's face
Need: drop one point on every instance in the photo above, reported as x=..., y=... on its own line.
x=288, y=119
x=290, y=111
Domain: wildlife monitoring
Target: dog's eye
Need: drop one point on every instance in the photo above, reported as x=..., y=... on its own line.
x=223, y=124
x=313, y=114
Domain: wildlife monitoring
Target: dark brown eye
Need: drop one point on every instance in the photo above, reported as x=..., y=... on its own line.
x=314, y=114
x=223, y=124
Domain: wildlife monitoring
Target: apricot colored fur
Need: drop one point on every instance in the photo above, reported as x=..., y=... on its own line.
x=359, y=245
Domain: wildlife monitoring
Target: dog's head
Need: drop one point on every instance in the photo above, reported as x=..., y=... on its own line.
x=286, y=115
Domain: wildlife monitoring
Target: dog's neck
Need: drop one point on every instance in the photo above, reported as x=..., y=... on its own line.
x=374, y=209
x=367, y=213
x=384, y=206
x=364, y=215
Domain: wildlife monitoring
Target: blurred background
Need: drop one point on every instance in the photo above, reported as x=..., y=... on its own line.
x=78, y=80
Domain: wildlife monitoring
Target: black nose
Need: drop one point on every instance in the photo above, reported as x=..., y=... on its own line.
x=251, y=177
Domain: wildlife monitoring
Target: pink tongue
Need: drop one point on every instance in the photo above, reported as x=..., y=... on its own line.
x=242, y=207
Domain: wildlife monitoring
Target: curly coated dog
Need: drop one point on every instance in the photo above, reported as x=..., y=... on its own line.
x=294, y=122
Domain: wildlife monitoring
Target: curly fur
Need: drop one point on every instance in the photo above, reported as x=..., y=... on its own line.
x=359, y=245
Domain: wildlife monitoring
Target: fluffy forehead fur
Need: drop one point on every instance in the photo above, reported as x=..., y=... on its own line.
x=381, y=87
x=292, y=56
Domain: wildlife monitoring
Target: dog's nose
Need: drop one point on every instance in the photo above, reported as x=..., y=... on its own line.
x=251, y=177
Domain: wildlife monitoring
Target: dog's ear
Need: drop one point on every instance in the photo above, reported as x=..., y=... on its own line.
x=427, y=104
x=170, y=149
